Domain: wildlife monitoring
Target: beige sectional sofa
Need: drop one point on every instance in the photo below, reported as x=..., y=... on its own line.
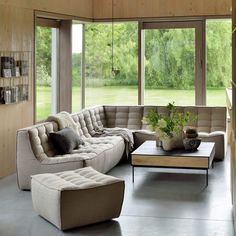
x=36, y=155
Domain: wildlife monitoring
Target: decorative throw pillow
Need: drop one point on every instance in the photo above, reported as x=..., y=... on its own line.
x=65, y=140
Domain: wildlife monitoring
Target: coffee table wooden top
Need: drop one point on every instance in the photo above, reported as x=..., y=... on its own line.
x=150, y=155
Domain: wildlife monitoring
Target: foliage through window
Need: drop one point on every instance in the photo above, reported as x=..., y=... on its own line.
x=219, y=60
x=101, y=86
x=77, y=47
x=43, y=72
x=170, y=66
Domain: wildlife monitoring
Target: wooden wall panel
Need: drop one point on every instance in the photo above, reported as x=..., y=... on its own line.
x=82, y=8
x=16, y=35
x=159, y=8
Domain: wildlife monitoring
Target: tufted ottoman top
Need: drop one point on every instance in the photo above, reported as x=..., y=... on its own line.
x=83, y=178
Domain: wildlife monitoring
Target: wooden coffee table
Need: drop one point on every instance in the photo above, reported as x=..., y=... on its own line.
x=148, y=155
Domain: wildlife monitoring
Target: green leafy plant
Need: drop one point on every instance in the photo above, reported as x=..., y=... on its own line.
x=170, y=124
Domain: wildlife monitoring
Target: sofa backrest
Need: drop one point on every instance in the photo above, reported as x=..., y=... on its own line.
x=38, y=135
x=97, y=116
x=82, y=119
x=209, y=119
x=86, y=120
x=124, y=116
x=89, y=120
x=159, y=109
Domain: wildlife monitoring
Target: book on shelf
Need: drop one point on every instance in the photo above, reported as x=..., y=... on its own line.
x=8, y=66
x=23, y=66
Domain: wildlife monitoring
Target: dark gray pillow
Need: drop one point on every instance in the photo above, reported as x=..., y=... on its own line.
x=65, y=140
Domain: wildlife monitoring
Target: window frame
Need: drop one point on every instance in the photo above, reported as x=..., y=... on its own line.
x=200, y=61
x=48, y=19
x=55, y=26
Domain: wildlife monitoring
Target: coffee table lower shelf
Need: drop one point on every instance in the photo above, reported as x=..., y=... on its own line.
x=148, y=155
x=191, y=168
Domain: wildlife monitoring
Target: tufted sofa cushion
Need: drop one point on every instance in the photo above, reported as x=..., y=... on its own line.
x=93, y=148
x=97, y=152
x=97, y=117
x=107, y=152
x=80, y=119
x=209, y=119
x=124, y=116
x=159, y=109
x=39, y=140
x=210, y=122
x=89, y=120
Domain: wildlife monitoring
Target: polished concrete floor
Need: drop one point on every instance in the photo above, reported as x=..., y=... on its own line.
x=162, y=202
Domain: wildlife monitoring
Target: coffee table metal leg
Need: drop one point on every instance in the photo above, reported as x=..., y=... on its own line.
x=206, y=177
x=133, y=174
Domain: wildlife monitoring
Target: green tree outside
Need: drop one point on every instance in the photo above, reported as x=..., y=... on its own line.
x=169, y=64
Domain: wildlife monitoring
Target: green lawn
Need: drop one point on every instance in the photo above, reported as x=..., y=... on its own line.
x=126, y=95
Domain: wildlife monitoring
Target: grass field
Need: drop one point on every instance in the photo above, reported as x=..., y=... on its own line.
x=126, y=95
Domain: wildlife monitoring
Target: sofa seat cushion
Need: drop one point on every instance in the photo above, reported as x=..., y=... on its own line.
x=211, y=134
x=218, y=137
x=140, y=136
x=73, y=157
x=91, y=151
x=108, y=152
x=124, y=116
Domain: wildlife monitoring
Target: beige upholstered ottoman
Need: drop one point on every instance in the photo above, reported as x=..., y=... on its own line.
x=74, y=198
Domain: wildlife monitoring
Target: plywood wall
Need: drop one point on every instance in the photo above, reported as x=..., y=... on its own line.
x=82, y=8
x=16, y=35
x=159, y=8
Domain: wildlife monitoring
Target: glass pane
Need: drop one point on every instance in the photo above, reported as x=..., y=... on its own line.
x=170, y=66
x=219, y=60
x=102, y=87
x=77, y=45
x=43, y=72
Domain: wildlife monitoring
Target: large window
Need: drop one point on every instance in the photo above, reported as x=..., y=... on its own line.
x=172, y=67
x=171, y=55
x=77, y=49
x=102, y=86
x=219, y=60
x=46, y=40
x=54, y=66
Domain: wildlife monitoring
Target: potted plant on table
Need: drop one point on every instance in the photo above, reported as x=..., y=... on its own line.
x=169, y=127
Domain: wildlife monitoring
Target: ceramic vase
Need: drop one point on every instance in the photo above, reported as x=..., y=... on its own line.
x=168, y=143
